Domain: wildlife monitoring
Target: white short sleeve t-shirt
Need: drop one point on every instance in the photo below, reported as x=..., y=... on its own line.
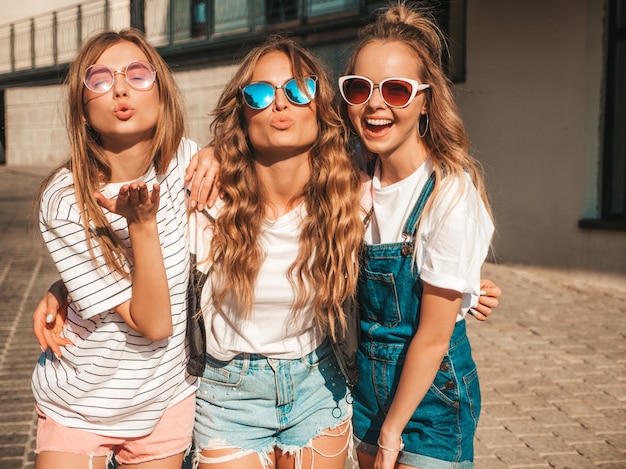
x=453, y=239
x=113, y=381
x=272, y=329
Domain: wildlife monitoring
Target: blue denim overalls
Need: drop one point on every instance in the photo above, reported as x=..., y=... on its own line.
x=440, y=433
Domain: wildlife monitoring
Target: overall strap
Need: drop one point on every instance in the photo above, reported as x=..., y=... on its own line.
x=369, y=170
x=411, y=223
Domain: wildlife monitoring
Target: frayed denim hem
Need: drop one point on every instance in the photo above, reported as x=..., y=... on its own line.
x=264, y=454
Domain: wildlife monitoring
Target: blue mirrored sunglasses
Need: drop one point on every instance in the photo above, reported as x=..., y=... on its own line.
x=261, y=94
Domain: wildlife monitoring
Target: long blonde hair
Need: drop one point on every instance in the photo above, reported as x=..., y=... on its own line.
x=331, y=232
x=446, y=139
x=90, y=167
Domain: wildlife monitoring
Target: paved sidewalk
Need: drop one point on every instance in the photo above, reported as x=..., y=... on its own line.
x=25, y=273
x=552, y=362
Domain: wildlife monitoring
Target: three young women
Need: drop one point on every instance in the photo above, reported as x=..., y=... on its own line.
x=274, y=275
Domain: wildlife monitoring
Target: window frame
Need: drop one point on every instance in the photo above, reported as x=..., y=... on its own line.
x=615, y=86
x=610, y=217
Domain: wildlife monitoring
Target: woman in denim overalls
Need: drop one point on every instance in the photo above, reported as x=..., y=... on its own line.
x=418, y=399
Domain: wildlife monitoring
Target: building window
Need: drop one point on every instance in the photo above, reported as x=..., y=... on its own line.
x=280, y=11
x=614, y=162
x=451, y=16
x=2, y=135
x=199, y=18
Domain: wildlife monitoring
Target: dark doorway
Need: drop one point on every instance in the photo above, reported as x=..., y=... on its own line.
x=3, y=138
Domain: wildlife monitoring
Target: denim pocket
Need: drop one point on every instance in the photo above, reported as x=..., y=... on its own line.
x=472, y=387
x=380, y=298
x=225, y=373
x=320, y=356
x=446, y=384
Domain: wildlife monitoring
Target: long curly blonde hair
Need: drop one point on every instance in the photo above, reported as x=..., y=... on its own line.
x=326, y=268
x=446, y=138
x=90, y=167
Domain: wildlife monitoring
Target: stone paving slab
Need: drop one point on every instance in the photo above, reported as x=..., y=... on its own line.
x=552, y=361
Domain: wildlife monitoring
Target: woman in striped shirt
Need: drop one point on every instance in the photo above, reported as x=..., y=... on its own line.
x=114, y=220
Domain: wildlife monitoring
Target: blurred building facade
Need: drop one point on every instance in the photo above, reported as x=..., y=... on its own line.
x=540, y=84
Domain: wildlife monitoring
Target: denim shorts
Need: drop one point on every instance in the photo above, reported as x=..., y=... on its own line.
x=256, y=404
x=440, y=434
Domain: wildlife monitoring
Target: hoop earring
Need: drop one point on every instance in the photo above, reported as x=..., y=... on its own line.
x=422, y=134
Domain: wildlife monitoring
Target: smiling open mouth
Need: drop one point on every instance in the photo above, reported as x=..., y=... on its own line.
x=378, y=125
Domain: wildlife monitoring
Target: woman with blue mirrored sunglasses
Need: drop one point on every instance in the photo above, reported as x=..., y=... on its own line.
x=278, y=258
x=261, y=94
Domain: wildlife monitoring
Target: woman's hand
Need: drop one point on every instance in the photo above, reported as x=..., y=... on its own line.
x=203, y=172
x=488, y=300
x=134, y=202
x=49, y=317
x=387, y=456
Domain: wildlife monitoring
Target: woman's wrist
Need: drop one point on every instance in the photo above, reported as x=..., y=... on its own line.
x=399, y=447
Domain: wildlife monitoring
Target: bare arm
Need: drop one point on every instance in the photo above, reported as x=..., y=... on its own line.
x=438, y=312
x=149, y=309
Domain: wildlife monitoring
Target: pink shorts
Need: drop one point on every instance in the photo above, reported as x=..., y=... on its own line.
x=171, y=436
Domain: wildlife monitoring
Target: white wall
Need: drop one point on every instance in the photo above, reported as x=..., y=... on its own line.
x=202, y=89
x=35, y=126
x=532, y=104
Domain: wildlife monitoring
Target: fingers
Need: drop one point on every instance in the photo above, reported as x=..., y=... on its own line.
x=492, y=292
x=479, y=315
x=205, y=189
x=488, y=302
x=216, y=191
x=490, y=288
x=55, y=342
x=195, y=189
x=155, y=195
x=54, y=328
x=39, y=323
x=204, y=170
x=134, y=201
x=191, y=169
x=102, y=200
x=52, y=344
x=484, y=308
x=48, y=324
x=49, y=317
x=136, y=193
x=112, y=204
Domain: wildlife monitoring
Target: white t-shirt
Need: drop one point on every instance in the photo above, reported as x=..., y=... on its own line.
x=272, y=330
x=453, y=239
x=113, y=381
